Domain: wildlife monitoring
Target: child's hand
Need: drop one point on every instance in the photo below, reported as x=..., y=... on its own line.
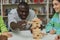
x=8, y=34
x=57, y=37
x=52, y=32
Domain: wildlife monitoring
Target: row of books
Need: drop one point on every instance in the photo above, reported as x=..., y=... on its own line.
x=28, y=1
x=41, y=10
x=7, y=10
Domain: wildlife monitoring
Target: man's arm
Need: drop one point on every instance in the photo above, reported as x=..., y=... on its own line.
x=11, y=19
x=49, y=26
x=12, y=22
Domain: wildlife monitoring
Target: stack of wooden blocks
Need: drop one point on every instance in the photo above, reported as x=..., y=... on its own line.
x=35, y=28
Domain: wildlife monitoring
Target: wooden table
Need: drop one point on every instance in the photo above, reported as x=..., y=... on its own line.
x=26, y=35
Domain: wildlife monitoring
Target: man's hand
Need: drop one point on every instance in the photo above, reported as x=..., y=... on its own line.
x=13, y=25
x=8, y=34
x=52, y=32
x=21, y=24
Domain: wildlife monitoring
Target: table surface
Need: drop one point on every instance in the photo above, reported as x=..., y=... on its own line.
x=26, y=35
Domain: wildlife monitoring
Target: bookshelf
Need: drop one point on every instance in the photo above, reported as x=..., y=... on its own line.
x=43, y=8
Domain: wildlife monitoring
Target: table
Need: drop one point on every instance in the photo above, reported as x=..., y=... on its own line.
x=26, y=35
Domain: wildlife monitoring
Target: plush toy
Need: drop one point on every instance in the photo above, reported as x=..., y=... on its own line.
x=35, y=29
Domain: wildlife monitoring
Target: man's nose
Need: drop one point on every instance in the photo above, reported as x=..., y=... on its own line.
x=24, y=13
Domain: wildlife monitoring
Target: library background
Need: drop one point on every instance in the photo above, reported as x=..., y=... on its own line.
x=43, y=9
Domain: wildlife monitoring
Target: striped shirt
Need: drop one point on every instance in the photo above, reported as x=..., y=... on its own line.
x=54, y=24
x=2, y=26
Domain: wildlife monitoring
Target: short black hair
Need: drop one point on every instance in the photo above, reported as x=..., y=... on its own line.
x=23, y=3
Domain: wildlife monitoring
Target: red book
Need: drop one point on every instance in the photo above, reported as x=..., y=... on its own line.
x=41, y=0
x=36, y=1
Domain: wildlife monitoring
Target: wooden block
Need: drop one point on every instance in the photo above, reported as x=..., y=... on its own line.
x=2, y=37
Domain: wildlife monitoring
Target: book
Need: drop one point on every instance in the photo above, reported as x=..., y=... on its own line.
x=42, y=10
x=50, y=0
x=13, y=1
x=24, y=1
x=17, y=1
x=36, y=1
x=29, y=1
x=41, y=1
x=5, y=2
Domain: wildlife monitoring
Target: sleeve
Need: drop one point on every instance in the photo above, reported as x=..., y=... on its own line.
x=3, y=27
x=11, y=18
x=50, y=25
x=33, y=15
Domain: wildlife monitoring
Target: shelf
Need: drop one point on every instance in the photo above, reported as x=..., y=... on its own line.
x=45, y=14
x=38, y=3
x=5, y=16
x=11, y=4
x=28, y=3
x=41, y=14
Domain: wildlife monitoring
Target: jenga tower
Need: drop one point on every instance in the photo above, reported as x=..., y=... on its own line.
x=36, y=24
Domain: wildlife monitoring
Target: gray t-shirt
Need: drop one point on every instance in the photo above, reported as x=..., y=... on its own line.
x=13, y=17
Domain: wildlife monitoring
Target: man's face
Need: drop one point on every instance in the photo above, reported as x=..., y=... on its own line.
x=23, y=12
x=56, y=5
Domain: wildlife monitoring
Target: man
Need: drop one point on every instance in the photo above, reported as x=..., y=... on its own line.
x=18, y=21
x=20, y=16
